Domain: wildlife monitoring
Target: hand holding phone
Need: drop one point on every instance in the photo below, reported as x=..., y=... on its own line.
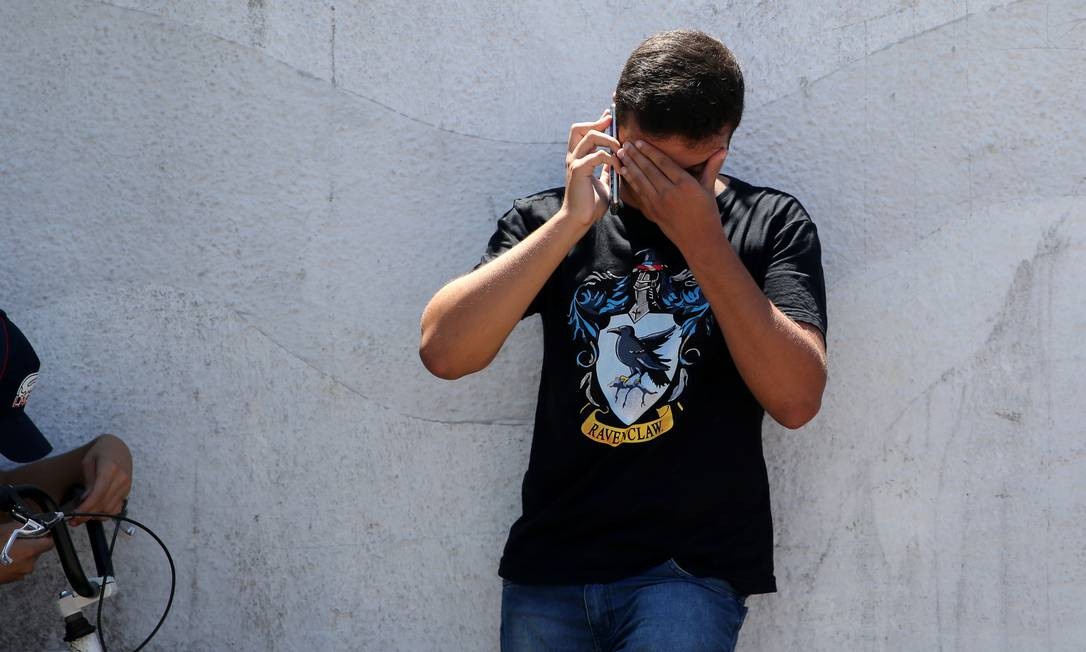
x=587, y=197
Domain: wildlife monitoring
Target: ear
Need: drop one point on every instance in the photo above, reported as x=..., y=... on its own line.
x=712, y=169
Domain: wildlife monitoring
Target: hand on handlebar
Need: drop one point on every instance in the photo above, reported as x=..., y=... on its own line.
x=25, y=554
x=107, y=474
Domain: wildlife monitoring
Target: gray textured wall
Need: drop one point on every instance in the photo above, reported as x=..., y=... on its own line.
x=221, y=221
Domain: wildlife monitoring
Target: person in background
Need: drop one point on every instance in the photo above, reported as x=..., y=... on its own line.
x=102, y=465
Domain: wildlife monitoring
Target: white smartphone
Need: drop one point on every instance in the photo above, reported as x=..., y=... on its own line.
x=616, y=181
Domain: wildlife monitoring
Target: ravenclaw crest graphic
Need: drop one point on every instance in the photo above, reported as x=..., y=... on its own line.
x=636, y=330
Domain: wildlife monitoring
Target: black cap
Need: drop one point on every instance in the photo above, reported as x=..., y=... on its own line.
x=20, y=439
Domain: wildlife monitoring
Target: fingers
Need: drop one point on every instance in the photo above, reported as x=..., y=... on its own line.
x=108, y=492
x=31, y=548
x=605, y=178
x=633, y=174
x=107, y=471
x=94, y=499
x=114, y=501
x=26, y=548
x=712, y=170
x=646, y=169
x=584, y=166
x=601, y=189
x=592, y=139
x=578, y=130
x=24, y=554
x=661, y=161
x=27, y=551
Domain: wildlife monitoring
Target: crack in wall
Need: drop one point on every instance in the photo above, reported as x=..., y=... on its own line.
x=333, y=82
x=256, y=7
x=1013, y=355
x=244, y=317
x=807, y=83
x=1051, y=244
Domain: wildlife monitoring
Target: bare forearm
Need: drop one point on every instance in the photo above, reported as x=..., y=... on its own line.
x=55, y=475
x=782, y=362
x=468, y=320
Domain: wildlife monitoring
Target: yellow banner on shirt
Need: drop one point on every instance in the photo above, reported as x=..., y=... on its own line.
x=635, y=434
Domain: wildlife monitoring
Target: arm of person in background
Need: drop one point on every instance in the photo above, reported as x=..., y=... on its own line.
x=782, y=361
x=102, y=465
x=468, y=320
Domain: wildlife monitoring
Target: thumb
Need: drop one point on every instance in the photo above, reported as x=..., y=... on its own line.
x=39, y=545
x=31, y=548
x=604, y=119
x=712, y=169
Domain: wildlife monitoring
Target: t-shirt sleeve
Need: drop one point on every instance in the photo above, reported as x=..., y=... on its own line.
x=512, y=228
x=793, y=279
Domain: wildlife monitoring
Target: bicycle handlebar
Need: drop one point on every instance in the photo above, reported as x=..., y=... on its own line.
x=96, y=532
x=11, y=498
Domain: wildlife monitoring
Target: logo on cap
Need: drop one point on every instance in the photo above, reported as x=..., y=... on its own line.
x=23, y=395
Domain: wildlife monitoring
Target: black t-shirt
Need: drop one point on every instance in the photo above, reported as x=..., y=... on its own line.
x=647, y=442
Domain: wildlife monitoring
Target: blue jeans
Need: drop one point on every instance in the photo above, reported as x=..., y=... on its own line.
x=664, y=608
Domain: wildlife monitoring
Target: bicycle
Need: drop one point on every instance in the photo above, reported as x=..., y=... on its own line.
x=85, y=591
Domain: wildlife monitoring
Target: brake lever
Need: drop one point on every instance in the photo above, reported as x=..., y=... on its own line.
x=34, y=526
x=29, y=530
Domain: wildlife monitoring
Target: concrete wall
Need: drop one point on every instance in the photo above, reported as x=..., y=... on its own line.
x=221, y=220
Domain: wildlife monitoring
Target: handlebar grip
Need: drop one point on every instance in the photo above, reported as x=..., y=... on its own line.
x=96, y=533
x=100, y=547
x=62, y=539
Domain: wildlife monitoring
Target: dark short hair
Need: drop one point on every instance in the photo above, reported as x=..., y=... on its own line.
x=681, y=83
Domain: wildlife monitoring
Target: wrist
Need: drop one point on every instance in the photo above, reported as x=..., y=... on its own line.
x=700, y=239
x=577, y=223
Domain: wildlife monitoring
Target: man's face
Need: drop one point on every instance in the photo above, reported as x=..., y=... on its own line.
x=691, y=158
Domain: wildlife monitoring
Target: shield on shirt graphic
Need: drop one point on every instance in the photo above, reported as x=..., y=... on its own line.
x=637, y=361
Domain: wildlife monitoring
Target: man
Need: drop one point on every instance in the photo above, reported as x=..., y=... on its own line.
x=103, y=465
x=669, y=329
